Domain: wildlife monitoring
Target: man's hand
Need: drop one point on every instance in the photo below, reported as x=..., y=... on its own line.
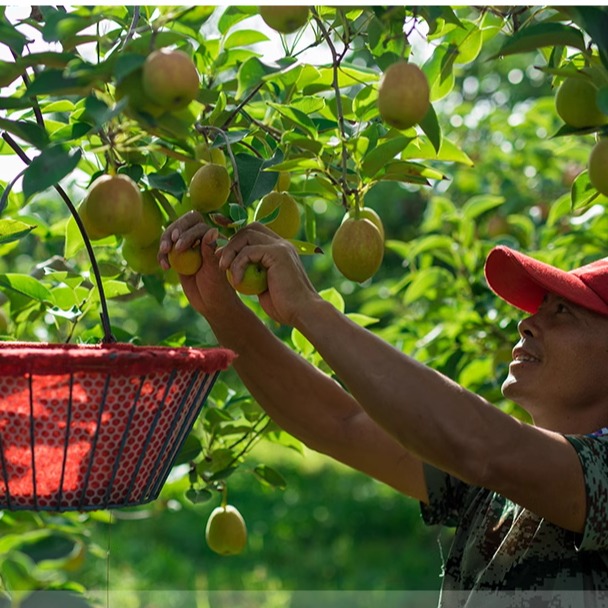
x=289, y=289
x=208, y=290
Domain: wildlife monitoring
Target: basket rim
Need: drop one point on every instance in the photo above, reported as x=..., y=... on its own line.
x=119, y=358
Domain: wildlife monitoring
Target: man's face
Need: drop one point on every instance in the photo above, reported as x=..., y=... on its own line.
x=560, y=364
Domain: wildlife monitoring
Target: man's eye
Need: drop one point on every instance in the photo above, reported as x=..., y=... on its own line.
x=562, y=307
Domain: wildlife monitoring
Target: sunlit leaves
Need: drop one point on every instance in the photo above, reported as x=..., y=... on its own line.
x=582, y=192
x=542, y=35
x=381, y=154
x=13, y=230
x=251, y=73
x=26, y=285
x=439, y=70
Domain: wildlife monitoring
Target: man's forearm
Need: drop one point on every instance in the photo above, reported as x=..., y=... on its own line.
x=312, y=406
x=430, y=415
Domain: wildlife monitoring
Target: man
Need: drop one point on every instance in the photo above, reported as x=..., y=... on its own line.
x=528, y=500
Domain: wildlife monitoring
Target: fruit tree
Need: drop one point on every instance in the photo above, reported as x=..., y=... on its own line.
x=394, y=145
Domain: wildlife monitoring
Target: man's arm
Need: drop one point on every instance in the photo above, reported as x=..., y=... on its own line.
x=447, y=426
x=313, y=407
x=299, y=397
x=399, y=409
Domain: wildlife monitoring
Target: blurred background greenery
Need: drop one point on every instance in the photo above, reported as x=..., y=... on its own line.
x=329, y=529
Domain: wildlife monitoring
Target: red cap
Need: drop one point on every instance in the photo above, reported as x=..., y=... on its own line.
x=523, y=281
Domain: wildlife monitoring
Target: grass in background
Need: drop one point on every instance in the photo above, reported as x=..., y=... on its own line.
x=331, y=529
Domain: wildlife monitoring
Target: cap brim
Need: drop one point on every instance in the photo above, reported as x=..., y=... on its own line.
x=524, y=282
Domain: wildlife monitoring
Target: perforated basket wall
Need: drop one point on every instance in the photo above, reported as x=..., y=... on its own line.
x=86, y=427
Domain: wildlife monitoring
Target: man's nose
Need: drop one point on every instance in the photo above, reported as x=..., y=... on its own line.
x=527, y=327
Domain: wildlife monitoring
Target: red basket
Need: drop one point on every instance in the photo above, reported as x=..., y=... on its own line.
x=86, y=427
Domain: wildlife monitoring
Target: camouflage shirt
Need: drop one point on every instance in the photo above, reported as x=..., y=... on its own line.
x=504, y=555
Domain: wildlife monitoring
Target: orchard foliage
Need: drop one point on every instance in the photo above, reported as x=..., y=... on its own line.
x=491, y=161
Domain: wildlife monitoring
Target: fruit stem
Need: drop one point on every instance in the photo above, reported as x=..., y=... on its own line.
x=236, y=187
x=105, y=317
x=224, y=495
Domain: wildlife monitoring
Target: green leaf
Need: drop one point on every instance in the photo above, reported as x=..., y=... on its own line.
x=602, y=99
x=254, y=181
x=251, y=73
x=305, y=247
x=269, y=476
x=476, y=373
x=301, y=343
x=566, y=130
x=286, y=440
x=244, y=38
x=27, y=131
x=541, y=35
x=49, y=59
x=57, y=82
x=582, y=192
x=189, y=451
x=408, y=172
x=237, y=213
x=48, y=169
x=559, y=209
x=379, y=156
x=333, y=296
x=432, y=243
x=115, y=289
x=155, y=286
x=361, y=319
x=126, y=64
x=233, y=15
x=424, y=282
x=61, y=25
x=478, y=205
x=467, y=39
x=430, y=125
x=26, y=285
x=439, y=71
x=12, y=38
x=198, y=496
x=15, y=103
x=97, y=113
x=365, y=104
x=302, y=165
x=9, y=71
x=172, y=183
x=422, y=149
x=298, y=118
x=74, y=242
x=17, y=572
x=13, y=230
x=594, y=21
x=348, y=75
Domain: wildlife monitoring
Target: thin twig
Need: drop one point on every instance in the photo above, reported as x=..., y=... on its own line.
x=35, y=106
x=336, y=60
x=241, y=105
x=132, y=27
